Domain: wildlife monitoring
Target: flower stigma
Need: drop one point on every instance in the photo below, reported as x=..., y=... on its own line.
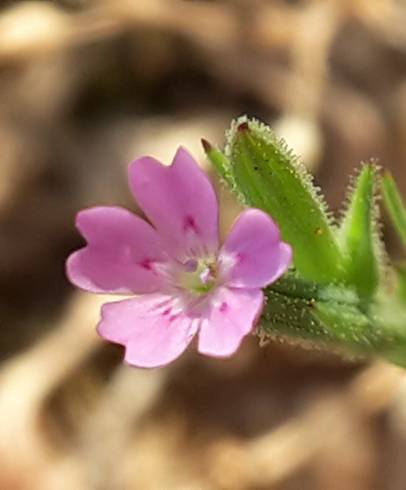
x=199, y=276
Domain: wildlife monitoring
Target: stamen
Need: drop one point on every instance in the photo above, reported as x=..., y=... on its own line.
x=205, y=276
x=198, y=276
x=191, y=265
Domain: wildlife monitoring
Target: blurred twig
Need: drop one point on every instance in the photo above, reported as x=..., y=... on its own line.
x=27, y=380
x=321, y=429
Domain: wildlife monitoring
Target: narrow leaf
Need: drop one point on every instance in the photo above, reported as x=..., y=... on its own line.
x=359, y=237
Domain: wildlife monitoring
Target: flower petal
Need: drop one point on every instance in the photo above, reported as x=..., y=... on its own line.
x=153, y=331
x=253, y=255
x=180, y=202
x=233, y=316
x=121, y=256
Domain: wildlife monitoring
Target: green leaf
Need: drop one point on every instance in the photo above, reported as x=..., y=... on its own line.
x=359, y=236
x=395, y=206
x=267, y=176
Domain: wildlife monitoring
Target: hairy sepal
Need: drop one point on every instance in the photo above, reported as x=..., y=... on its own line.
x=329, y=314
x=269, y=177
x=334, y=317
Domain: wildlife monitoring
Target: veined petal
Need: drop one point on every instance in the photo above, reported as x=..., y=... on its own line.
x=152, y=329
x=233, y=315
x=180, y=202
x=253, y=254
x=121, y=254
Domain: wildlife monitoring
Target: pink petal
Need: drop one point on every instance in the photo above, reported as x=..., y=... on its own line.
x=180, y=202
x=121, y=256
x=253, y=255
x=233, y=316
x=153, y=331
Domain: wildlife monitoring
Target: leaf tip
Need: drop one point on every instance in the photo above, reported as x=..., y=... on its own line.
x=207, y=147
x=243, y=127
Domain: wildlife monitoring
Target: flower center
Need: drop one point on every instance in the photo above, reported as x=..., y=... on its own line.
x=198, y=275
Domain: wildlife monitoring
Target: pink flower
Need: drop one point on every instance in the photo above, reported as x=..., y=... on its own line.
x=183, y=281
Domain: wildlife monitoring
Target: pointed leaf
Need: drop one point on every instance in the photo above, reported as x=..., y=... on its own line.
x=359, y=237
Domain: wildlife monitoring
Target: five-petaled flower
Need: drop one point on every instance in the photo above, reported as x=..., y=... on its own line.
x=184, y=283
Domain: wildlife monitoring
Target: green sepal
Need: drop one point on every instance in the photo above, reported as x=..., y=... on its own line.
x=347, y=324
x=394, y=205
x=291, y=318
x=219, y=162
x=266, y=175
x=388, y=315
x=359, y=236
x=334, y=317
x=330, y=314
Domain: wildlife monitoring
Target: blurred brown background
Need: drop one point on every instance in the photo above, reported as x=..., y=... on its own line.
x=85, y=87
